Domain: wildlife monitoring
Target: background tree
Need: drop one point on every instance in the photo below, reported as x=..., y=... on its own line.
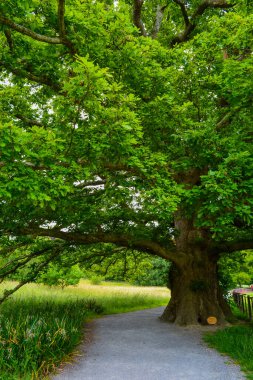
x=123, y=265
x=236, y=270
x=130, y=123
x=61, y=275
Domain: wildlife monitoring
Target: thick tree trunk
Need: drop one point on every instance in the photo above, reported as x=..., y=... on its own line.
x=195, y=292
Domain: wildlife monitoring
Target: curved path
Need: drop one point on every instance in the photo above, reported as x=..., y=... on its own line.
x=138, y=346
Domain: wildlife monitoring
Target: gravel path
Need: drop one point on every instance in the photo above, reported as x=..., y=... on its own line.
x=138, y=346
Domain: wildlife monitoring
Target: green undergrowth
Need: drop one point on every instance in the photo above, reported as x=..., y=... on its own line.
x=41, y=326
x=36, y=334
x=238, y=314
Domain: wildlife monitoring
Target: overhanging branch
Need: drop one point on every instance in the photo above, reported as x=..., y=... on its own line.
x=19, y=262
x=104, y=166
x=143, y=245
x=7, y=250
x=31, y=277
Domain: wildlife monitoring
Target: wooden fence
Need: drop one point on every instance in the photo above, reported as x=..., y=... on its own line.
x=244, y=303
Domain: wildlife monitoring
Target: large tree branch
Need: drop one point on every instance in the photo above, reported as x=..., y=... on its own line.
x=104, y=166
x=62, y=40
x=62, y=29
x=158, y=20
x=137, y=16
x=28, y=32
x=42, y=80
x=192, y=21
x=229, y=247
x=143, y=245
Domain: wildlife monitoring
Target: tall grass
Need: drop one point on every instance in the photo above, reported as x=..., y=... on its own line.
x=39, y=326
x=122, y=298
x=37, y=333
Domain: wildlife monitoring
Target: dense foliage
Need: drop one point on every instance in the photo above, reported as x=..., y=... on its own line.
x=135, y=268
x=109, y=265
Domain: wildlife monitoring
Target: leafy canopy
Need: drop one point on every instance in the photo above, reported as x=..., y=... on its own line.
x=106, y=135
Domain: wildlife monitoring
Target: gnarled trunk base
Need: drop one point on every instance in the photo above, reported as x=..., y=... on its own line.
x=195, y=294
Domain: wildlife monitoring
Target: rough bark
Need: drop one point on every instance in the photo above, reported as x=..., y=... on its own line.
x=195, y=292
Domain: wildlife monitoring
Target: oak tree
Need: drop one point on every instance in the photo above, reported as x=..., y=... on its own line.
x=128, y=123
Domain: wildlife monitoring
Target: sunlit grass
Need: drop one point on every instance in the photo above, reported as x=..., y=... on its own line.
x=40, y=325
x=237, y=342
x=117, y=298
x=114, y=297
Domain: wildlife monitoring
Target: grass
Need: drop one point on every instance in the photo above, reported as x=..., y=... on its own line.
x=40, y=326
x=235, y=341
x=119, y=298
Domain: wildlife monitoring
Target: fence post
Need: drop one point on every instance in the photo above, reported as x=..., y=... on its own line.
x=244, y=303
x=250, y=308
x=243, y=308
